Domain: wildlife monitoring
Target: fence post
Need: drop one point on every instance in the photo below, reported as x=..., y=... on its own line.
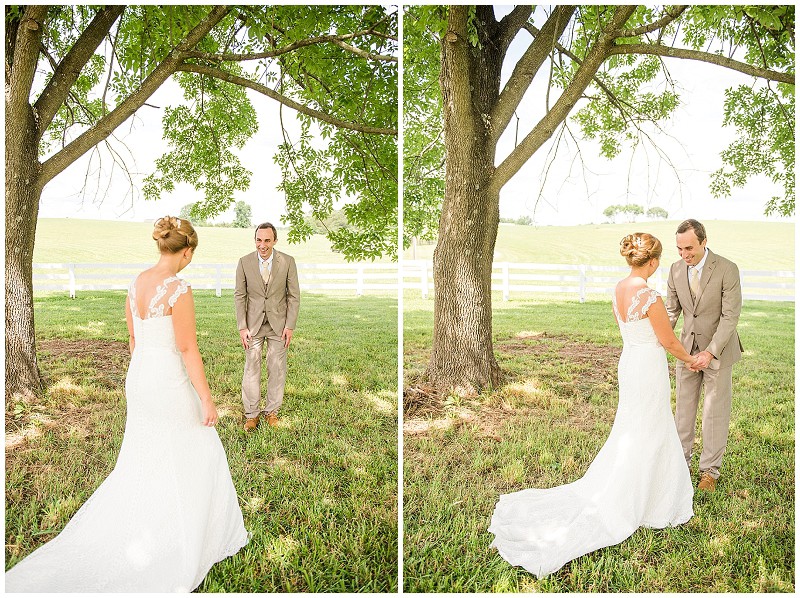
x=360, y=281
x=582, y=291
x=219, y=280
x=506, y=289
x=424, y=279
x=71, y=268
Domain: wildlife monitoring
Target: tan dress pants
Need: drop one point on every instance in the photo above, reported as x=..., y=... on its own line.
x=276, y=372
x=716, y=413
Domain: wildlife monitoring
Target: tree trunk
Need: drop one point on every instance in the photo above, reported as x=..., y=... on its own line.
x=462, y=357
x=23, y=191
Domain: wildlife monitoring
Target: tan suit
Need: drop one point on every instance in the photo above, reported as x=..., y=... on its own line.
x=709, y=324
x=265, y=310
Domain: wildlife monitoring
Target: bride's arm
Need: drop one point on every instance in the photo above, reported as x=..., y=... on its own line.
x=183, y=322
x=663, y=329
x=129, y=320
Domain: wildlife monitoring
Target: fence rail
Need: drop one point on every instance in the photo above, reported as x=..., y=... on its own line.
x=507, y=277
x=72, y=278
x=584, y=280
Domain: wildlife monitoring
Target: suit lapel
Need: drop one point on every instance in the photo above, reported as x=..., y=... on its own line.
x=253, y=268
x=711, y=263
x=682, y=283
x=277, y=268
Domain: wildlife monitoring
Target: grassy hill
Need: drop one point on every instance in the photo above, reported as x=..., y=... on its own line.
x=752, y=245
x=106, y=241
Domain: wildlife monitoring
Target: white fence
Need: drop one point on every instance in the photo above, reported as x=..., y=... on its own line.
x=510, y=278
x=358, y=277
x=583, y=280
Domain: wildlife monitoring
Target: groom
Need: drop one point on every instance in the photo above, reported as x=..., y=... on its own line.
x=706, y=288
x=267, y=298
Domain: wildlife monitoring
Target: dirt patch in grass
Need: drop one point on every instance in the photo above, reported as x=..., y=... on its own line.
x=94, y=367
x=565, y=368
x=107, y=361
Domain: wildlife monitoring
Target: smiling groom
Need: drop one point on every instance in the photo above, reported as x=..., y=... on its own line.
x=706, y=288
x=267, y=298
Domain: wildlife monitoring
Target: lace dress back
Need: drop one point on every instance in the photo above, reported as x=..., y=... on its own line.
x=168, y=511
x=639, y=477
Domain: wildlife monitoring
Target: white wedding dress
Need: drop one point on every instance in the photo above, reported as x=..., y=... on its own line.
x=639, y=477
x=168, y=511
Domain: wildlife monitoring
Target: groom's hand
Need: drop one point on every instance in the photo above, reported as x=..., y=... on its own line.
x=702, y=361
x=286, y=337
x=244, y=334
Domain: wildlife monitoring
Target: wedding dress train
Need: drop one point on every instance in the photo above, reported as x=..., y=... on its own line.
x=168, y=511
x=639, y=477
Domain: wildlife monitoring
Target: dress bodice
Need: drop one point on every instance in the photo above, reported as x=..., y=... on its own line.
x=154, y=329
x=635, y=328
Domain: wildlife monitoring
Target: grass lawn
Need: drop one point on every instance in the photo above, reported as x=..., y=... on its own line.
x=751, y=245
x=100, y=241
x=319, y=493
x=544, y=426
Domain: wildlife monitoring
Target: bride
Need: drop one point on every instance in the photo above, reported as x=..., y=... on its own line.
x=639, y=477
x=168, y=511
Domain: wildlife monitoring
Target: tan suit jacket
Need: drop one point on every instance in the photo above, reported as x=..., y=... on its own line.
x=278, y=302
x=710, y=319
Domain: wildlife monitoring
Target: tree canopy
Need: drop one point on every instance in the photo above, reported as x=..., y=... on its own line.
x=74, y=74
x=335, y=65
x=626, y=102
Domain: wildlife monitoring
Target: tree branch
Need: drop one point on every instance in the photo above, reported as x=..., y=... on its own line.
x=26, y=54
x=700, y=56
x=569, y=54
x=363, y=53
x=69, y=69
x=512, y=23
x=526, y=69
x=106, y=125
x=232, y=57
x=545, y=128
x=263, y=89
x=671, y=14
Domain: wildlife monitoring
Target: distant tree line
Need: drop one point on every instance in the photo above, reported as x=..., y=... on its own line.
x=632, y=210
x=243, y=216
x=523, y=220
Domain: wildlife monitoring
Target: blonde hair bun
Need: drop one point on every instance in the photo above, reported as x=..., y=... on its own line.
x=639, y=248
x=173, y=234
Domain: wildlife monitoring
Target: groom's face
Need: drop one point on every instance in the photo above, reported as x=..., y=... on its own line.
x=690, y=248
x=265, y=239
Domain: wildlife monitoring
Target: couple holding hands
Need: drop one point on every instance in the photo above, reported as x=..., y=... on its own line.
x=169, y=509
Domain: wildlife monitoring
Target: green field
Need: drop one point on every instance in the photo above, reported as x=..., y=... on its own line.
x=546, y=423
x=66, y=240
x=318, y=493
x=751, y=245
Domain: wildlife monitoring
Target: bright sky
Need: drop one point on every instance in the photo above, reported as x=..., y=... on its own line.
x=108, y=194
x=572, y=193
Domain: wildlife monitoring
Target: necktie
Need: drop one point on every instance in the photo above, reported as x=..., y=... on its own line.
x=265, y=270
x=694, y=281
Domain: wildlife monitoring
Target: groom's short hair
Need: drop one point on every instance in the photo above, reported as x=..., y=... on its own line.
x=691, y=223
x=267, y=225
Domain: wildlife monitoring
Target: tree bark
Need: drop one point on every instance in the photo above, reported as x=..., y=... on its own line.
x=22, y=208
x=462, y=356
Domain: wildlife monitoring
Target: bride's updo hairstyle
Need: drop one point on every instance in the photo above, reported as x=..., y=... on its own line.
x=173, y=234
x=640, y=248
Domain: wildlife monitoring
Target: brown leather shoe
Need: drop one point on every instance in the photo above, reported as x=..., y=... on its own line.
x=707, y=482
x=250, y=424
x=272, y=420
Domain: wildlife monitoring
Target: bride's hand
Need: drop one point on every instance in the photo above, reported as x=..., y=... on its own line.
x=210, y=415
x=694, y=366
